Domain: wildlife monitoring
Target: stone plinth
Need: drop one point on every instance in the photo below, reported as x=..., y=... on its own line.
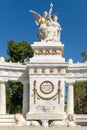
x=45, y=117
x=48, y=52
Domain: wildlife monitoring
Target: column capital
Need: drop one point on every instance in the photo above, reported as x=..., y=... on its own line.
x=3, y=82
x=70, y=82
x=25, y=83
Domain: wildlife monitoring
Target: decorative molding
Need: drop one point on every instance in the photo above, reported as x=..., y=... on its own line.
x=59, y=91
x=35, y=70
x=51, y=70
x=44, y=92
x=34, y=91
x=43, y=70
x=59, y=70
x=54, y=52
x=48, y=52
x=45, y=108
x=47, y=98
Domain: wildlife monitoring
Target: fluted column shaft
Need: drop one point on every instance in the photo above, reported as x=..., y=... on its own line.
x=70, y=100
x=25, y=99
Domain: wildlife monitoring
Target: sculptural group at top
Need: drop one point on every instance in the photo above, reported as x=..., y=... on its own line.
x=49, y=28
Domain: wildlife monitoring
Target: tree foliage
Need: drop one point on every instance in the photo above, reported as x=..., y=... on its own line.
x=84, y=56
x=14, y=92
x=80, y=97
x=18, y=51
x=80, y=92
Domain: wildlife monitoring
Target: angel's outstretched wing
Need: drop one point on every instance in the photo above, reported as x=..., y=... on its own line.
x=35, y=14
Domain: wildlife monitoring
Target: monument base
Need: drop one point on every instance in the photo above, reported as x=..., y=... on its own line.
x=46, y=117
x=42, y=116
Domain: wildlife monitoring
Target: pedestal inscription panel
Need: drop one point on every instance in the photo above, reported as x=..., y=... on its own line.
x=46, y=87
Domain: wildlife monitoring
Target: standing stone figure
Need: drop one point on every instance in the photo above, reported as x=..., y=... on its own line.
x=49, y=28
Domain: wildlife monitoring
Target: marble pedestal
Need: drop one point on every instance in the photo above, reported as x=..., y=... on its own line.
x=47, y=71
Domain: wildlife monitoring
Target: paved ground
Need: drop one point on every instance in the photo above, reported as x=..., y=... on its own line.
x=43, y=128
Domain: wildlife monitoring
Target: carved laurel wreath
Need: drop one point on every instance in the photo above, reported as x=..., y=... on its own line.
x=51, y=85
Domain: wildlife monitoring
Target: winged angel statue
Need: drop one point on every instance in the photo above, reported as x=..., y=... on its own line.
x=49, y=28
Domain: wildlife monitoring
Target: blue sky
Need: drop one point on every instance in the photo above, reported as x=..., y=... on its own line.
x=16, y=23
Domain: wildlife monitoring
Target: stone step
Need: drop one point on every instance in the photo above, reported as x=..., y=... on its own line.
x=81, y=118
x=7, y=120
x=7, y=116
x=7, y=124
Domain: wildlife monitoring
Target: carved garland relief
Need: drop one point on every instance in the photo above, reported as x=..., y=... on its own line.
x=47, y=87
x=48, y=52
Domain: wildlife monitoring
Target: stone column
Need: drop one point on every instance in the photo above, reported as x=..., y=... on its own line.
x=25, y=99
x=2, y=98
x=70, y=100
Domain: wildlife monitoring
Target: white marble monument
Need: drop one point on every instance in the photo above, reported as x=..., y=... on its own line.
x=43, y=78
x=47, y=70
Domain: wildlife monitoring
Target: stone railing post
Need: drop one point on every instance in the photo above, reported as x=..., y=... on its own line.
x=25, y=99
x=2, y=98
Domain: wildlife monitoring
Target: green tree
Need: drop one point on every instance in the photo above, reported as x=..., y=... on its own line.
x=17, y=51
x=84, y=56
x=14, y=97
x=78, y=89
x=84, y=99
x=80, y=92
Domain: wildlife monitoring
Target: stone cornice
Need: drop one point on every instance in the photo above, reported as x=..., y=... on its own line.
x=12, y=66
x=77, y=66
x=47, y=64
x=13, y=72
x=70, y=81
